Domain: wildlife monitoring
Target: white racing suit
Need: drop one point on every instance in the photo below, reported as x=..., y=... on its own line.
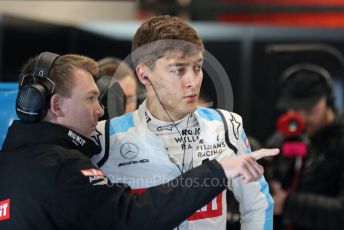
x=138, y=158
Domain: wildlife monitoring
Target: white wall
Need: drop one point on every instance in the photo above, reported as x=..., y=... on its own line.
x=70, y=12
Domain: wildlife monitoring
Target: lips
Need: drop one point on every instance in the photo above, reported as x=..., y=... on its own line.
x=191, y=97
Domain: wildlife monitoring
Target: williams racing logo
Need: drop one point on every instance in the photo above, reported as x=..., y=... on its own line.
x=95, y=176
x=130, y=151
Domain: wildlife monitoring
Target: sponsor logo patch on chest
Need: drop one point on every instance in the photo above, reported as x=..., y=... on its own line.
x=95, y=176
x=5, y=209
x=92, y=172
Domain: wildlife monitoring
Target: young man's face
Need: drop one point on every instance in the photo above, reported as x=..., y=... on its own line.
x=316, y=116
x=81, y=110
x=177, y=78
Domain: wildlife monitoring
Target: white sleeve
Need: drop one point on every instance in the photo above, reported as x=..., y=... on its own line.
x=256, y=203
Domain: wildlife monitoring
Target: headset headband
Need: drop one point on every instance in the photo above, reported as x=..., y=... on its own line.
x=44, y=63
x=290, y=71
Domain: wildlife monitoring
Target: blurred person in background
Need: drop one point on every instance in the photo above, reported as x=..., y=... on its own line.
x=307, y=179
x=121, y=71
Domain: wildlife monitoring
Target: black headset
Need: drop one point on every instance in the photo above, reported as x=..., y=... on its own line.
x=36, y=89
x=320, y=71
x=110, y=88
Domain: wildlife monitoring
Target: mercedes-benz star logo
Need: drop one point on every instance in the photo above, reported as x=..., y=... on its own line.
x=129, y=150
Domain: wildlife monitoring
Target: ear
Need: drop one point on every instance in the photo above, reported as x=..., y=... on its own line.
x=55, y=105
x=143, y=72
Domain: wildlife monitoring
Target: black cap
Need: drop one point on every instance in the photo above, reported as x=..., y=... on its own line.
x=302, y=89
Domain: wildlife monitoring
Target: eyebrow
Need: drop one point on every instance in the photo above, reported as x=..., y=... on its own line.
x=94, y=92
x=199, y=60
x=184, y=64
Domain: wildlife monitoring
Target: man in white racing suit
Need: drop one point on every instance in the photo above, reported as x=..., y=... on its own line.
x=169, y=134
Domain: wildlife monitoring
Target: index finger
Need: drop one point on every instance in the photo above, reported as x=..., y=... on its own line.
x=264, y=153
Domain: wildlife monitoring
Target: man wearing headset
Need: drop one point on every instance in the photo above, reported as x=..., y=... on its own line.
x=49, y=182
x=120, y=71
x=309, y=191
x=169, y=135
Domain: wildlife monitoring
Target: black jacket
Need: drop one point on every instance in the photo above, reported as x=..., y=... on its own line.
x=48, y=182
x=318, y=202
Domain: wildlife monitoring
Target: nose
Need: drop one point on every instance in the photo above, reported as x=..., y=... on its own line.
x=99, y=109
x=192, y=78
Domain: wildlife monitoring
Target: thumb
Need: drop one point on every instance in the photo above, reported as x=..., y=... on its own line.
x=264, y=153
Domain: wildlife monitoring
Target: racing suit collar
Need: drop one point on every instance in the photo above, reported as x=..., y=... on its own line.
x=207, y=134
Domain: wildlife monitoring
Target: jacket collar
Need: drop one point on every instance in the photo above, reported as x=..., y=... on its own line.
x=20, y=134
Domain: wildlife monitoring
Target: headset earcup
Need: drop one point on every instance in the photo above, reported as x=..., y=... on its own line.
x=31, y=104
x=34, y=95
x=117, y=103
x=109, y=88
x=103, y=83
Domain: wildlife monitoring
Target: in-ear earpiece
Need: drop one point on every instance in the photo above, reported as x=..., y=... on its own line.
x=146, y=78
